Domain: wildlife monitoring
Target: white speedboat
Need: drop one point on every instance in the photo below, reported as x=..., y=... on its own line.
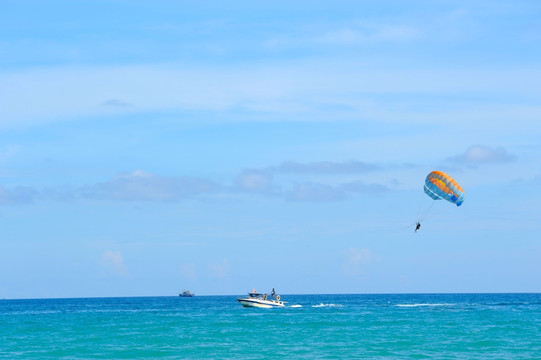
x=260, y=300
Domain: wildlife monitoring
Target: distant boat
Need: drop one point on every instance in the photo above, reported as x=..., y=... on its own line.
x=260, y=300
x=186, y=293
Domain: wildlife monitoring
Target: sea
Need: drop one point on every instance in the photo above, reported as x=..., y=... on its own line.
x=402, y=326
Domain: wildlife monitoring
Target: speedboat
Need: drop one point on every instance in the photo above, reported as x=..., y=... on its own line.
x=186, y=293
x=260, y=300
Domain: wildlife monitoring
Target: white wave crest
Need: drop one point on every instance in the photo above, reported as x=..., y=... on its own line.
x=327, y=305
x=423, y=304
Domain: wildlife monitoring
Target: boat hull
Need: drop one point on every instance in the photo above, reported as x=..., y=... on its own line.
x=260, y=303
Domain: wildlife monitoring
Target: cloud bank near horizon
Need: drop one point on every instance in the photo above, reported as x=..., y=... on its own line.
x=301, y=185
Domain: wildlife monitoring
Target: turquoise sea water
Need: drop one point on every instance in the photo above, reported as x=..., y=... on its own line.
x=431, y=326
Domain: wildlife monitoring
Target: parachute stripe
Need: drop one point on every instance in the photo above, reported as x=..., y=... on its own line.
x=431, y=193
x=443, y=175
x=439, y=185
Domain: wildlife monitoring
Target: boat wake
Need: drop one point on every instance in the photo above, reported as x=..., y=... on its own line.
x=327, y=305
x=296, y=306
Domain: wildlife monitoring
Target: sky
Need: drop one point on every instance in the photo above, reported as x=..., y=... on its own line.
x=148, y=147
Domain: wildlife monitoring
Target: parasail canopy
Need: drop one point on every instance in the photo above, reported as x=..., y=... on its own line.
x=439, y=185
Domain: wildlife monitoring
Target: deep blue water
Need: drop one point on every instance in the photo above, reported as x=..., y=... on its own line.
x=408, y=326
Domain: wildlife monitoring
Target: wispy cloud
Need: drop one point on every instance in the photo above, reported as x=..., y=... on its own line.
x=64, y=93
x=292, y=181
x=255, y=181
x=354, y=33
x=267, y=181
x=481, y=154
x=361, y=187
x=325, y=167
x=314, y=192
x=356, y=261
x=220, y=270
x=142, y=186
x=188, y=271
x=17, y=195
x=117, y=103
x=113, y=261
x=10, y=151
x=320, y=192
x=368, y=33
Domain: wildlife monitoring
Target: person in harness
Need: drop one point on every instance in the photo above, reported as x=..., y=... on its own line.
x=417, y=226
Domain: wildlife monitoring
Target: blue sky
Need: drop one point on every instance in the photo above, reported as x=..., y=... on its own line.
x=150, y=147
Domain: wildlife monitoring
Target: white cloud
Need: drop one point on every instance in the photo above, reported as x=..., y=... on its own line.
x=262, y=181
x=143, y=186
x=356, y=261
x=294, y=183
x=254, y=181
x=220, y=270
x=188, y=271
x=113, y=261
x=480, y=154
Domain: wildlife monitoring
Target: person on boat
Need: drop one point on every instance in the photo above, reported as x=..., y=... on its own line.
x=417, y=226
x=273, y=292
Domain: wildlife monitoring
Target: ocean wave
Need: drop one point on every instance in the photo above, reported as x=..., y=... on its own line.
x=424, y=304
x=327, y=305
x=32, y=312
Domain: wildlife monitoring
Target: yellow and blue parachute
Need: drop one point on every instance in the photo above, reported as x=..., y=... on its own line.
x=439, y=185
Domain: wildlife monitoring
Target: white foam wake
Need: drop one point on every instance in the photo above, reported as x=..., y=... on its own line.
x=327, y=305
